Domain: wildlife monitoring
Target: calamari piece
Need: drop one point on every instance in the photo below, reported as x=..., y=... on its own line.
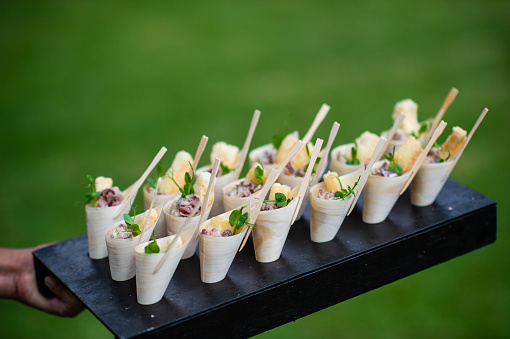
x=103, y=183
x=366, y=146
x=278, y=188
x=407, y=154
x=453, y=142
x=228, y=154
x=331, y=181
x=179, y=167
x=286, y=146
x=302, y=158
x=200, y=186
x=410, y=109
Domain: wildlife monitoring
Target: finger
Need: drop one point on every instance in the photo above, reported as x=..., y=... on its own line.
x=69, y=305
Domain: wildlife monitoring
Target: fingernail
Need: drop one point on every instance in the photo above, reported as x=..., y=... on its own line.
x=50, y=282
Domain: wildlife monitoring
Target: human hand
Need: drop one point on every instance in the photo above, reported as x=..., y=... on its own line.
x=18, y=281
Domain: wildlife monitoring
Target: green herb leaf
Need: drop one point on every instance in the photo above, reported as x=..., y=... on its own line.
x=394, y=167
x=278, y=138
x=91, y=195
x=189, y=181
x=224, y=168
x=152, y=247
x=237, y=219
x=259, y=174
x=128, y=220
x=344, y=193
x=354, y=155
x=153, y=182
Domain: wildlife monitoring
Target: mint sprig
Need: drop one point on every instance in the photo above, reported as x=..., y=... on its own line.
x=152, y=247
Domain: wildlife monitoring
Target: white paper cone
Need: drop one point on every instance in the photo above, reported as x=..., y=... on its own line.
x=217, y=254
x=270, y=232
x=428, y=182
x=380, y=195
x=326, y=216
x=150, y=288
x=160, y=199
x=121, y=252
x=338, y=166
x=173, y=225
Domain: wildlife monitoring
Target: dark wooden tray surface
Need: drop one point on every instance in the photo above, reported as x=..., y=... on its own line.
x=308, y=277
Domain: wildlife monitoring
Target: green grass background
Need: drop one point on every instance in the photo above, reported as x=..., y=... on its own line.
x=98, y=87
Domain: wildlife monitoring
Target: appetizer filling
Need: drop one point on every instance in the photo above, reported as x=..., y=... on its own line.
x=222, y=226
x=185, y=205
x=175, y=176
x=384, y=171
x=269, y=157
x=361, y=152
x=335, y=188
x=291, y=170
x=449, y=148
x=109, y=197
x=279, y=197
x=244, y=189
x=228, y=155
x=121, y=231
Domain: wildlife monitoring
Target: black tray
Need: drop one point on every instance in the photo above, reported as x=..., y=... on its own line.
x=308, y=277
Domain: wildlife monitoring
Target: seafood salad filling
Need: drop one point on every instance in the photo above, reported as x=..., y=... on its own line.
x=400, y=161
x=448, y=149
x=102, y=193
x=185, y=205
x=279, y=197
x=222, y=226
x=244, y=189
x=361, y=152
x=335, y=189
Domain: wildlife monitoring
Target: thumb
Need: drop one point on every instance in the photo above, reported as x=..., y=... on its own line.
x=69, y=305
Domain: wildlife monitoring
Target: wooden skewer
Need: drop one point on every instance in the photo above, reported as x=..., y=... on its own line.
x=463, y=147
x=446, y=103
x=379, y=149
x=177, y=235
x=423, y=155
x=255, y=210
x=150, y=209
x=306, y=179
x=247, y=142
x=322, y=163
x=393, y=130
x=214, y=172
x=140, y=181
x=200, y=150
x=316, y=123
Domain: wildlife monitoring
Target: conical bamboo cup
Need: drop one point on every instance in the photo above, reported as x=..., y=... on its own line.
x=160, y=199
x=292, y=182
x=231, y=203
x=173, y=225
x=428, y=182
x=217, y=253
x=337, y=165
x=258, y=153
x=121, y=252
x=98, y=220
x=380, y=195
x=150, y=287
x=217, y=207
x=326, y=216
x=270, y=232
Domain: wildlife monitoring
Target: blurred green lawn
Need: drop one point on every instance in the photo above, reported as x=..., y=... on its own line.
x=98, y=87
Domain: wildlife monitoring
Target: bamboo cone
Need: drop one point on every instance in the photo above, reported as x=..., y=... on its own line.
x=150, y=287
x=217, y=207
x=160, y=199
x=231, y=203
x=98, y=220
x=121, y=252
x=293, y=181
x=380, y=195
x=270, y=232
x=338, y=166
x=257, y=153
x=174, y=224
x=217, y=253
x=326, y=216
x=428, y=182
